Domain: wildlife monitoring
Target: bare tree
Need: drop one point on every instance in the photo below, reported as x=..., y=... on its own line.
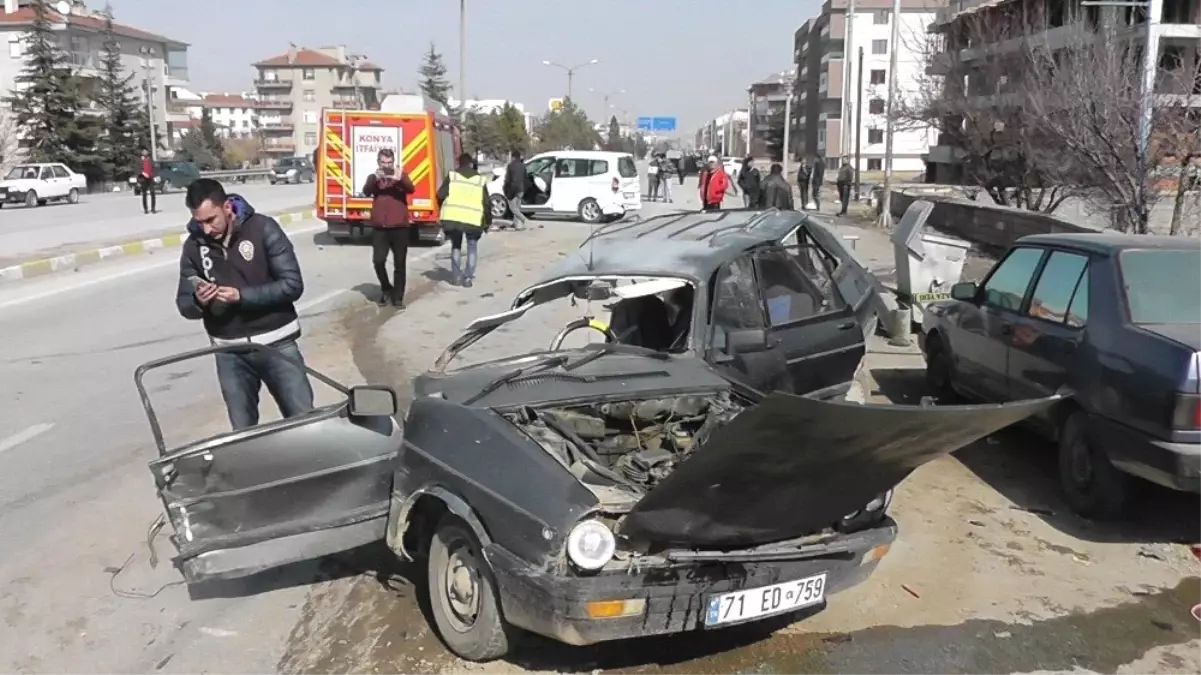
x=1179, y=139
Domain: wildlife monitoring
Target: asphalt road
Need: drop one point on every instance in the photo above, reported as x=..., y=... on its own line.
x=113, y=218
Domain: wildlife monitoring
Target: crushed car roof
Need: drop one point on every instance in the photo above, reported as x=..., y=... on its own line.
x=687, y=244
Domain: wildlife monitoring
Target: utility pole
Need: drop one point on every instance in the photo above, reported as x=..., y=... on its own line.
x=148, y=68
x=858, y=123
x=462, y=53
x=788, y=80
x=570, y=71
x=893, y=90
x=847, y=46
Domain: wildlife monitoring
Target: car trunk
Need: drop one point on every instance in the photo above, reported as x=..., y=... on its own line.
x=719, y=471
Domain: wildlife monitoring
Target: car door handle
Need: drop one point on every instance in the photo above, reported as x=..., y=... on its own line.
x=846, y=326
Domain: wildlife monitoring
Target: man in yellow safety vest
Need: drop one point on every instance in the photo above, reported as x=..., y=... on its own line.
x=463, y=199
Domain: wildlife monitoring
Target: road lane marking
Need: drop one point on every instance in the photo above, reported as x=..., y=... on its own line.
x=319, y=300
x=23, y=436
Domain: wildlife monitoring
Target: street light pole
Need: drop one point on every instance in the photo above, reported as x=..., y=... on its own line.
x=570, y=71
x=605, y=96
x=848, y=44
x=893, y=90
x=858, y=124
x=147, y=53
x=462, y=53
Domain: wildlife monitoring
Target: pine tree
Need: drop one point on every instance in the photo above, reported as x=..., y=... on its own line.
x=511, y=131
x=433, y=78
x=48, y=103
x=208, y=133
x=126, y=125
x=615, y=142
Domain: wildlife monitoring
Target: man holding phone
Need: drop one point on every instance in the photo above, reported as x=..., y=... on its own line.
x=389, y=188
x=238, y=274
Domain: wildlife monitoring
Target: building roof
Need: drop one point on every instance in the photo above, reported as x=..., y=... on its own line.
x=367, y=65
x=228, y=101
x=24, y=15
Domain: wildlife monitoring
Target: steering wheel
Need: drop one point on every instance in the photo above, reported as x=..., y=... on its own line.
x=586, y=322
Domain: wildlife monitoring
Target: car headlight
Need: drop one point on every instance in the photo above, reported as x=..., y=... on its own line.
x=133, y=180
x=591, y=545
x=879, y=503
x=870, y=513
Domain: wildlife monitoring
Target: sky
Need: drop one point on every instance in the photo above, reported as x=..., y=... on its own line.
x=691, y=59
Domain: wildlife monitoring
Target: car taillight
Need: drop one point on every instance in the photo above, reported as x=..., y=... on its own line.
x=616, y=185
x=1186, y=415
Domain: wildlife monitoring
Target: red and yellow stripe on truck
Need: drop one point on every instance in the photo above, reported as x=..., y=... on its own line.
x=422, y=139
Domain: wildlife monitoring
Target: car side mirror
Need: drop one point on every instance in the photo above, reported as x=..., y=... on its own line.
x=748, y=341
x=372, y=401
x=965, y=291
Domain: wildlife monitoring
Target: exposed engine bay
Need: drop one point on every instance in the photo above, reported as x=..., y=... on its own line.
x=631, y=444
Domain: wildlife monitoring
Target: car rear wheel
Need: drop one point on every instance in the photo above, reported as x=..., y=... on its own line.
x=499, y=206
x=31, y=199
x=1092, y=485
x=462, y=594
x=590, y=211
x=73, y=196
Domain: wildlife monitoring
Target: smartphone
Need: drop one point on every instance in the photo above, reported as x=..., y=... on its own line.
x=387, y=171
x=197, y=282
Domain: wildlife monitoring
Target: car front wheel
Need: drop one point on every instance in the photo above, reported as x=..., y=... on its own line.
x=463, y=596
x=499, y=206
x=1092, y=485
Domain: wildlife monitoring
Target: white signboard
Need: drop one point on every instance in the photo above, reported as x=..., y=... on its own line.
x=365, y=144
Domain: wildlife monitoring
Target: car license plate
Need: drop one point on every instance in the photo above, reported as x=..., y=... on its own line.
x=757, y=603
x=923, y=298
x=628, y=195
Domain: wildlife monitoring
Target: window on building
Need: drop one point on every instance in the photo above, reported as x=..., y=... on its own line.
x=880, y=17
x=266, y=75
x=875, y=136
x=879, y=47
x=875, y=164
x=16, y=48
x=878, y=77
x=310, y=117
x=308, y=74
x=310, y=95
x=876, y=106
x=310, y=139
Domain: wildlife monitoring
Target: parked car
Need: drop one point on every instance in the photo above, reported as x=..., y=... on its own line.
x=1115, y=319
x=37, y=184
x=632, y=487
x=170, y=175
x=591, y=185
x=292, y=170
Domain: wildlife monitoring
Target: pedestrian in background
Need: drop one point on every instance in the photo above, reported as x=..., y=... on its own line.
x=238, y=274
x=714, y=184
x=389, y=188
x=803, y=176
x=750, y=182
x=666, y=169
x=846, y=176
x=777, y=193
x=652, y=178
x=463, y=203
x=146, y=173
x=816, y=181
x=514, y=188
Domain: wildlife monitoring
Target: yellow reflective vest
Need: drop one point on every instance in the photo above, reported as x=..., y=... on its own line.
x=465, y=200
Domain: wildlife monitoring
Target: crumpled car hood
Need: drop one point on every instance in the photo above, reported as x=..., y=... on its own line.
x=792, y=466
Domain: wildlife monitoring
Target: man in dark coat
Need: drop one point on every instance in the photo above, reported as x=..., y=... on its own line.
x=515, y=180
x=777, y=193
x=816, y=181
x=803, y=176
x=750, y=182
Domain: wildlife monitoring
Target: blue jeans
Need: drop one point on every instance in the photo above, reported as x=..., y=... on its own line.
x=242, y=374
x=456, y=246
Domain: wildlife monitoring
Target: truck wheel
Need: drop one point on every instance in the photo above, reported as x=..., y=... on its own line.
x=1092, y=485
x=73, y=196
x=31, y=199
x=463, y=597
x=499, y=206
x=590, y=211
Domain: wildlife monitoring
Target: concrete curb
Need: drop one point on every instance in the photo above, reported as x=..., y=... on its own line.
x=73, y=261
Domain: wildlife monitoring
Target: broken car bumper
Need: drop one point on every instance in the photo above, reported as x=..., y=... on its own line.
x=676, y=597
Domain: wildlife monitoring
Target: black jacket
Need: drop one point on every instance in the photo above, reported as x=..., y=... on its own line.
x=444, y=192
x=515, y=179
x=257, y=258
x=846, y=175
x=804, y=175
x=777, y=193
x=750, y=180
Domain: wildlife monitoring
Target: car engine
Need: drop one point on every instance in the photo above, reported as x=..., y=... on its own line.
x=635, y=443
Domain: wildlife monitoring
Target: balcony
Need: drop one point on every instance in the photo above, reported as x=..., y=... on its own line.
x=274, y=104
x=278, y=85
x=277, y=127
x=279, y=146
x=176, y=76
x=178, y=112
x=347, y=105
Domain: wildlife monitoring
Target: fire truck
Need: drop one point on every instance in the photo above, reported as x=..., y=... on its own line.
x=425, y=140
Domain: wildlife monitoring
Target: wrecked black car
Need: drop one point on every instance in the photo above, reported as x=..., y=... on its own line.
x=618, y=488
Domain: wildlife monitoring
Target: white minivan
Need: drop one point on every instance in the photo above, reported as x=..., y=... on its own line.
x=594, y=185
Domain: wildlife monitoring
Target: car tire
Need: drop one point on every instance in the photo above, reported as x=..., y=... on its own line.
x=73, y=196
x=590, y=211
x=940, y=372
x=460, y=582
x=499, y=206
x=1093, y=487
x=31, y=199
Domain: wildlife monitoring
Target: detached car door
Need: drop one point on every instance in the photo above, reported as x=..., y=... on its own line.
x=280, y=492
x=808, y=320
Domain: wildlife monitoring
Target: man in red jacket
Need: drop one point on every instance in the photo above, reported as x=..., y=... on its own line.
x=389, y=189
x=714, y=185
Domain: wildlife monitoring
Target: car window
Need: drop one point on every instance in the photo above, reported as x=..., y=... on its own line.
x=735, y=301
x=626, y=167
x=538, y=166
x=1162, y=286
x=571, y=168
x=791, y=293
x=1056, y=285
x=60, y=171
x=1007, y=285
x=1078, y=310
x=47, y=174
x=598, y=167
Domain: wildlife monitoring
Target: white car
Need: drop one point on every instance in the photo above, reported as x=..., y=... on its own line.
x=594, y=185
x=36, y=184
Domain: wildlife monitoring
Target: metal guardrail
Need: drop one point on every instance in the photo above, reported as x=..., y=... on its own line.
x=237, y=175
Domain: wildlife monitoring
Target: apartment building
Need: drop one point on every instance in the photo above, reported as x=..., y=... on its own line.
x=292, y=88
x=159, y=64
x=828, y=89
x=727, y=134
x=234, y=115
x=1178, y=31
x=768, y=98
